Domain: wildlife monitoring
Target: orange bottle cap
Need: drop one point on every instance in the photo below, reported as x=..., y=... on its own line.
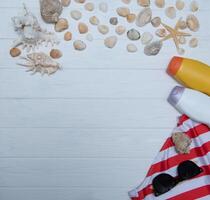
x=174, y=65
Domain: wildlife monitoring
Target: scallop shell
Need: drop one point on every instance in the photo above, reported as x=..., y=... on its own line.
x=79, y=45
x=50, y=10
x=160, y=3
x=194, y=6
x=193, y=23
x=144, y=17
x=170, y=12
x=123, y=11
x=110, y=42
x=180, y=4
x=144, y=3
x=61, y=25
x=153, y=48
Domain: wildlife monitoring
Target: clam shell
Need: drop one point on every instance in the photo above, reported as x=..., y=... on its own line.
x=180, y=4
x=194, y=6
x=160, y=3
x=120, y=30
x=144, y=17
x=170, y=12
x=193, y=42
x=103, y=29
x=156, y=22
x=79, y=45
x=89, y=6
x=55, y=53
x=68, y=36
x=94, y=20
x=110, y=42
x=153, y=48
x=131, y=48
x=14, y=52
x=133, y=34
x=61, y=25
x=83, y=28
x=123, y=11
x=75, y=14
x=131, y=18
x=144, y=3
x=193, y=23
x=146, y=38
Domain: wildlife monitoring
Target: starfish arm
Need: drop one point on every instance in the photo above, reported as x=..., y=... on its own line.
x=166, y=38
x=183, y=34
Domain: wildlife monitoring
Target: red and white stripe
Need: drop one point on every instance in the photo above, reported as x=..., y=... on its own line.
x=167, y=161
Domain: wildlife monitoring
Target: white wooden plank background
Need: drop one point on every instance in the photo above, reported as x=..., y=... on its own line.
x=91, y=130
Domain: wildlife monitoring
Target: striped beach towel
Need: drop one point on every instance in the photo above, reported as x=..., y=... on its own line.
x=168, y=159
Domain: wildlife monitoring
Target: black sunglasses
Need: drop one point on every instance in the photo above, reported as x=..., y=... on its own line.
x=165, y=182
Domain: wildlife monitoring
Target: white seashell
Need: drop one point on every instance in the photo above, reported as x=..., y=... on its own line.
x=193, y=23
x=153, y=48
x=79, y=1
x=103, y=7
x=75, y=14
x=94, y=20
x=131, y=17
x=103, y=29
x=146, y=38
x=156, y=22
x=89, y=37
x=123, y=11
x=126, y=1
x=182, y=142
x=161, y=32
x=170, y=12
x=144, y=3
x=65, y=3
x=133, y=34
x=180, y=4
x=110, y=42
x=89, y=6
x=132, y=48
x=79, y=45
x=160, y=3
x=120, y=30
x=194, y=6
x=50, y=10
x=144, y=17
x=193, y=42
x=30, y=33
x=83, y=28
x=113, y=21
x=61, y=25
x=40, y=62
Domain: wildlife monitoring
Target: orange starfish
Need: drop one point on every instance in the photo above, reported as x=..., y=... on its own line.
x=174, y=33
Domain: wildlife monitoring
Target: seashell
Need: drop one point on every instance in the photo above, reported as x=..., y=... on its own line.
x=146, y=38
x=182, y=142
x=181, y=51
x=79, y=45
x=113, y=21
x=94, y=20
x=182, y=40
x=170, y=12
x=89, y=6
x=83, y=28
x=133, y=34
x=110, y=42
x=144, y=17
x=50, y=10
x=14, y=52
x=61, y=25
x=144, y=3
x=65, y=3
x=79, y=1
x=30, y=33
x=193, y=42
x=153, y=48
x=160, y=3
x=156, y=22
x=126, y=1
x=89, y=37
x=161, y=32
x=180, y=4
x=120, y=30
x=182, y=24
x=131, y=17
x=123, y=11
x=103, y=29
x=75, y=14
x=103, y=7
x=55, y=53
x=193, y=23
x=132, y=48
x=68, y=36
x=194, y=6
x=40, y=62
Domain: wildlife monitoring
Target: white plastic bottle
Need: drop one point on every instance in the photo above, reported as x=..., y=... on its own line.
x=194, y=104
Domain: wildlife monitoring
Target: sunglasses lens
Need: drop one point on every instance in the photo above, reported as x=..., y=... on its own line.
x=163, y=183
x=188, y=169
